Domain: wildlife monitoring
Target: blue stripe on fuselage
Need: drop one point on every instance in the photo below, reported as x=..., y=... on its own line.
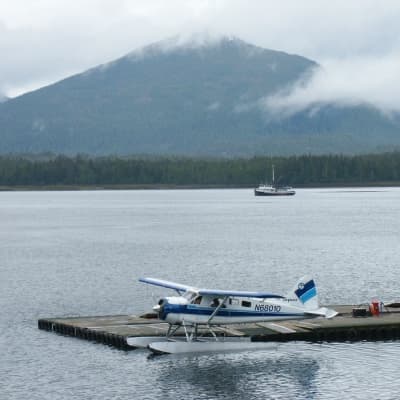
x=223, y=312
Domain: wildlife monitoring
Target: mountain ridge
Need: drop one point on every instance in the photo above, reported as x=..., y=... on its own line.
x=185, y=99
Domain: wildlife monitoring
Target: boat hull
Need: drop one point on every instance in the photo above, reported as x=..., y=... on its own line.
x=276, y=193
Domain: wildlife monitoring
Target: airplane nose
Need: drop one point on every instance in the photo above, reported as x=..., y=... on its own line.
x=159, y=307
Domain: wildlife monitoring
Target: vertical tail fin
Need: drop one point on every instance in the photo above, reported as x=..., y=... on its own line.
x=305, y=292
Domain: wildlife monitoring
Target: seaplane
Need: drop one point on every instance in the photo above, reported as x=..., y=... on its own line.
x=200, y=312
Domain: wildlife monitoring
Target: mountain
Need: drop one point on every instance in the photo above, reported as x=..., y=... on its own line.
x=191, y=99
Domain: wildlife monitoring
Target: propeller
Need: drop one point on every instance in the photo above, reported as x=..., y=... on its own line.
x=159, y=307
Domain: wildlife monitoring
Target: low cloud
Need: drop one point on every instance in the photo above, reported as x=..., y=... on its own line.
x=189, y=40
x=214, y=106
x=371, y=81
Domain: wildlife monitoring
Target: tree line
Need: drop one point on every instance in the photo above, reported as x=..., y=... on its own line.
x=293, y=170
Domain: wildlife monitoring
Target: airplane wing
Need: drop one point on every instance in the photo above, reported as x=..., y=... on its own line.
x=239, y=293
x=209, y=292
x=167, y=284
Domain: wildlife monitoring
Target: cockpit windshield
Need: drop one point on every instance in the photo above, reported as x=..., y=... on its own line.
x=190, y=295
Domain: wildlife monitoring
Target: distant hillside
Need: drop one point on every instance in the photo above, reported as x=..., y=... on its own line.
x=190, y=100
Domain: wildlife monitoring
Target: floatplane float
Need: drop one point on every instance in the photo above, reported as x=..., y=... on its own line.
x=201, y=311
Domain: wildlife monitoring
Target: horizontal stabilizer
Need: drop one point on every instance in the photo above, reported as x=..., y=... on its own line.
x=323, y=312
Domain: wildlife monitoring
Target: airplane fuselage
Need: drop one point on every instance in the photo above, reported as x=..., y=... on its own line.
x=176, y=310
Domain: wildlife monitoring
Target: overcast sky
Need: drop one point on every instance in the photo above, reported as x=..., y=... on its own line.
x=356, y=41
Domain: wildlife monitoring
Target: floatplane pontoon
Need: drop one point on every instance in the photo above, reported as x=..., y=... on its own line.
x=200, y=311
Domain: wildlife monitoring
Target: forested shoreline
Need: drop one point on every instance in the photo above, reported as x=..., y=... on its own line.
x=305, y=170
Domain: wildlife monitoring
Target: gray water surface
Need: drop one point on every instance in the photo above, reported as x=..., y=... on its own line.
x=80, y=253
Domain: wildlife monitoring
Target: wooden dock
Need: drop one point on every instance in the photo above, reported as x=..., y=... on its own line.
x=116, y=329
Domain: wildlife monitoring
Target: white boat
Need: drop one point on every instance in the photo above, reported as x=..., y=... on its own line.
x=273, y=190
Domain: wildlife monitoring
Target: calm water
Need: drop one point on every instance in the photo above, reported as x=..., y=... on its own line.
x=80, y=253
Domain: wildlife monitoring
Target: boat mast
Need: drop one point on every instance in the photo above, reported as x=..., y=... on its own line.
x=273, y=174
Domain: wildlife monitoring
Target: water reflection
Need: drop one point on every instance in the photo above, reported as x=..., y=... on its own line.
x=258, y=375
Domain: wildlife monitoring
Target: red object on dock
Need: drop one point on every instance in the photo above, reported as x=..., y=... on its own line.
x=374, y=307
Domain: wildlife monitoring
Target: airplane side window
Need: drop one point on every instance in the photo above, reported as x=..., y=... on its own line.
x=197, y=300
x=246, y=303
